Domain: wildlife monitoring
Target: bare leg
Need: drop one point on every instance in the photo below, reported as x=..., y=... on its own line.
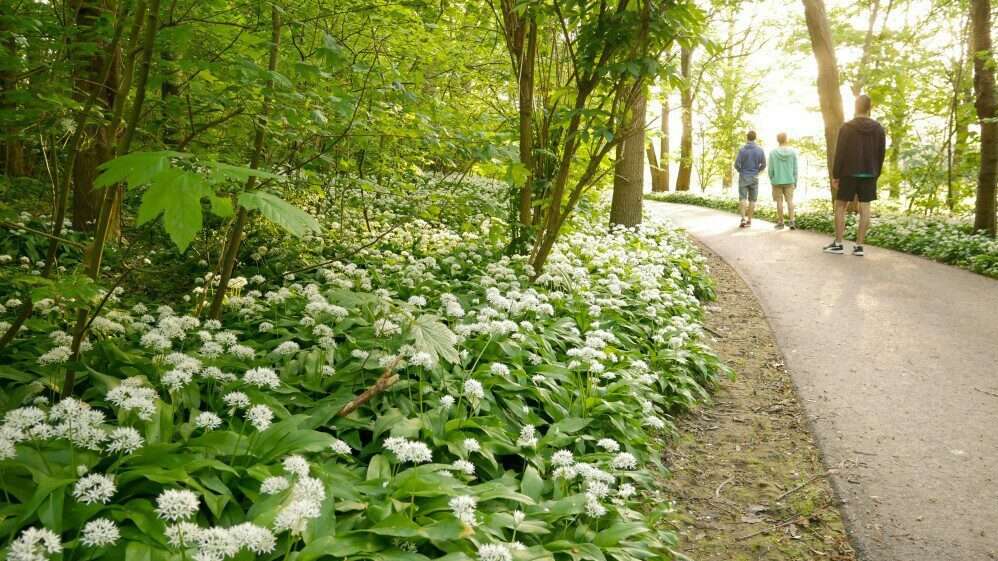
x=864, y=222
x=751, y=210
x=742, y=205
x=840, y=220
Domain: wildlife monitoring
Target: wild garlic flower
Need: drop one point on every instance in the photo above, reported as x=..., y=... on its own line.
x=494, y=552
x=562, y=458
x=177, y=504
x=262, y=378
x=626, y=491
x=499, y=369
x=265, y=327
x=294, y=518
x=99, y=532
x=79, y=423
x=310, y=489
x=236, y=400
x=253, y=538
x=183, y=535
x=207, y=420
x=518, y=517
x=465, y=466
x=215, y=544
x=57, y=355
x=274, y=485
x=287, y=348
x=473, y=390
x=296, y=465
x=528, y=436
x=464, y=508
x=340, y=447
x=34, y=544
x=446, y=402
x=409, y=450
x=124, y=439
x=472, y=445
x=133, y=395
x=260, y=416
x=608, y=444
x=624, y=460
x=94, y=488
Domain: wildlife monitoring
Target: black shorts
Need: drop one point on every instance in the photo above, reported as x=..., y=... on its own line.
x=863, y=187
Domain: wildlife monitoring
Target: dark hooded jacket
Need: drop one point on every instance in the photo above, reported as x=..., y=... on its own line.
x=860, y=149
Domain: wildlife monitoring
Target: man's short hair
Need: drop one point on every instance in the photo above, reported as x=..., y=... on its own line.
x=863, y=104
x=781, y=138
x=751, y=136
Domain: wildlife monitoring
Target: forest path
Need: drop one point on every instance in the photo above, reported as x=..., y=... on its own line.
x=895, y=359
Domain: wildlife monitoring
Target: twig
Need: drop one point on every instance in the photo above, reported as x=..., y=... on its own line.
x=712, y=332
x=387, y=380
x=802, y=485
x=353, y=251
x=786, y=522
x=985, y=392
x=11, y=226
x=717, y=492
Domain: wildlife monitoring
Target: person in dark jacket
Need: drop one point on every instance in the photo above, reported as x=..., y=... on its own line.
x=750, y=161
x=859, y=157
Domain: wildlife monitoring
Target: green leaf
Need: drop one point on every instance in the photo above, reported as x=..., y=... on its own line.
x=619, y=532
x=430, y=335
x=176, y=194
x=532, y=485
x=135, y=169
x=280, y=212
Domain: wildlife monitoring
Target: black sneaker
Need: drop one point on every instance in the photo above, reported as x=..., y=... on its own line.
x=835, y=248
x=792, y=225
x=779, y=226
x=857, y=250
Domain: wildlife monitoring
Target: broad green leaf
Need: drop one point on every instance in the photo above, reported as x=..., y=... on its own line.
x=135, y=169
x=176, y=194
x=619, y=532
x=280, y=212
x=430, y=335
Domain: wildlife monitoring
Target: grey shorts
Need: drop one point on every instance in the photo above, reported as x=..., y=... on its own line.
x=748, y=190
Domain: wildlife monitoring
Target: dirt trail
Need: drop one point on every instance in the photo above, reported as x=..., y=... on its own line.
x=745, y=469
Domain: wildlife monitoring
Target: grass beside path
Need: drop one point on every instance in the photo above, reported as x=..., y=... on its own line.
x=946, y=241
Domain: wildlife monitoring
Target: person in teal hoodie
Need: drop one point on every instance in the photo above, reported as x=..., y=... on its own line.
x=783, y=176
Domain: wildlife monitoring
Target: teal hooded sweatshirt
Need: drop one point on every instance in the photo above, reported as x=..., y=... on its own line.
x=783, y=166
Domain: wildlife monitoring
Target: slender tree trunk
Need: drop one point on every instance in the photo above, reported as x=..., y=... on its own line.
x=828, y=76
x=628, y=181
x=656, y=172
x=664, y=149
x=89, y=77
x=984, y=88
x=526, y=101
x=11, y=147
x=686, y=142
x=235, y=238
x=861, y=78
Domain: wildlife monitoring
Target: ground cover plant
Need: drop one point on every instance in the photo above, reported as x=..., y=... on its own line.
x=948, y=241
x=422, y=400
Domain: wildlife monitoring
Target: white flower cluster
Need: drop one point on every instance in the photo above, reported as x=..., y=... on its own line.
x=409, y=450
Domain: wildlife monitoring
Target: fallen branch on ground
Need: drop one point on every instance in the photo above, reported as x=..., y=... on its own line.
x=805, y=484
x=385, y=381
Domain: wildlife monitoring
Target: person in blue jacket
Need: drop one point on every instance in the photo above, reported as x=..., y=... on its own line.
x=750, y=161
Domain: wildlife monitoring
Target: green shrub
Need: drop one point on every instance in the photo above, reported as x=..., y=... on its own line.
x=948, y=241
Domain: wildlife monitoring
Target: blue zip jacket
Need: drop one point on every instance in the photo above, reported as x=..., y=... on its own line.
x=750, y=161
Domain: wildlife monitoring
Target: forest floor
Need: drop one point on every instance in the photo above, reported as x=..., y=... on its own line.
x=744, y=468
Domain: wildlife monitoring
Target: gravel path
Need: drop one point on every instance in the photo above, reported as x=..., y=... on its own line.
x=896, y=361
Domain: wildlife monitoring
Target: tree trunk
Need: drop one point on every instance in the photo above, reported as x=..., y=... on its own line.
x=984, y=89
x=235, y=237
x=89, y=77
x=629, y=169
x=656, y=172
x=686, y=142
x=11, y=148
x=860, y=82
x=664, y=148
x=526, y=101
x=828, y=76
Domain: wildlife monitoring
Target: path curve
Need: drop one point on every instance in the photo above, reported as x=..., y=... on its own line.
x=895, y=359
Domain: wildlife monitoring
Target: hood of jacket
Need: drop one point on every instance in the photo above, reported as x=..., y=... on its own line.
x=864, y=125
x=782, y=154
